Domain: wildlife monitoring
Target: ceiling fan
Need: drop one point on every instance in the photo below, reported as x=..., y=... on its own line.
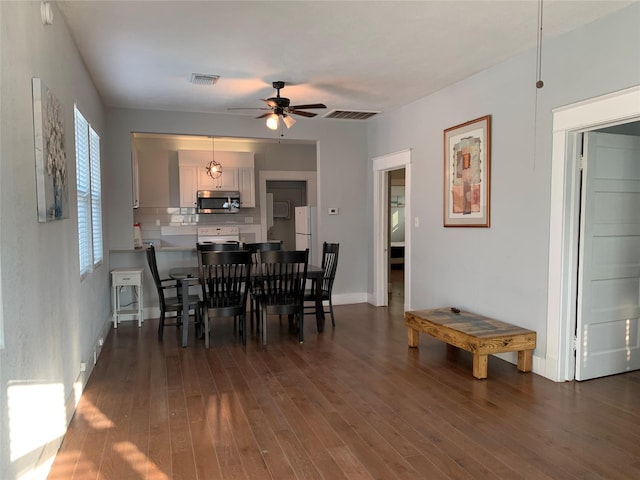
x=280, y=108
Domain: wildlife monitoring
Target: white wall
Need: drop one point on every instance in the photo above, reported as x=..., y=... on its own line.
x=341, y=161
x=501, y=271
x=51, y=318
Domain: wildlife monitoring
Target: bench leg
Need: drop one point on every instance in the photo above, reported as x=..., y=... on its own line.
x=413, y=336
x=525, y=360
x=480, y=365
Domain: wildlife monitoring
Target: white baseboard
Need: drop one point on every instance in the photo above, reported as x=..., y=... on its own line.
x=538, y=363
x=349, y=298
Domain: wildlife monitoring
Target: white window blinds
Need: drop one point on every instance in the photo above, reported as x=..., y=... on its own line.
x=96, y=197
x=90, y=248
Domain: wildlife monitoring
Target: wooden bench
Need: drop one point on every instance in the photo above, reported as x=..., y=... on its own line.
x=479, y=335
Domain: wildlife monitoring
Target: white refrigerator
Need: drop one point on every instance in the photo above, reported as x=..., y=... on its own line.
x=305, y=223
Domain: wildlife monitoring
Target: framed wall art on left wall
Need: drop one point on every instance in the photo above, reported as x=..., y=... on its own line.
x=52, y=186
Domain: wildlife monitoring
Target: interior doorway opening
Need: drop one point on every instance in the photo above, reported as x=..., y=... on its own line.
x=279, y=178
x=381, y=254
x=569, y=122
x=284, y=196
x=396, y=236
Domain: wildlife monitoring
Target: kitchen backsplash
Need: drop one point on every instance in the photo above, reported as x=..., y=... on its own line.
x=152, y=218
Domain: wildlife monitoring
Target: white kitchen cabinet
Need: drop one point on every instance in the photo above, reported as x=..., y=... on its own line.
x=238, y=174
x=188, y=185
x=247, y=187
x=135, y=185
x=227, y=181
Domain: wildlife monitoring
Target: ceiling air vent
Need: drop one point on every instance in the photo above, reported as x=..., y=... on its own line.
x=203, y=79
x=351, y=114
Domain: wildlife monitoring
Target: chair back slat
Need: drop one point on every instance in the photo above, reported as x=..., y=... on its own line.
x=256, y=248
x=224, y=277
x=153, y=267
x=329, y=265
x=282, y=278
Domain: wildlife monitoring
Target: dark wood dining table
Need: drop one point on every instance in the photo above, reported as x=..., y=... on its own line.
x=189, y=276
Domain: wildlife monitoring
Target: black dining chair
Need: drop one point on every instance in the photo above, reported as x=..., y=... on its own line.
x=224, y=277
x=171, y=303
x=282, y=275
x=254, y=291
x=329, y=267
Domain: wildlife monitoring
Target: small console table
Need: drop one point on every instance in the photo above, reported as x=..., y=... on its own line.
x=474, y=333
x=126, y=277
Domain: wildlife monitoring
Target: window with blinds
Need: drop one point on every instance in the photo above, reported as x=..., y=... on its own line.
x=89, y=194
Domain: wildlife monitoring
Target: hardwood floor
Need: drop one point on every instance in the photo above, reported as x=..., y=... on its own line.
x=354, y=402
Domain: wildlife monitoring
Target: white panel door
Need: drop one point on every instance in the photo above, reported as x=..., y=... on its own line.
x=608, y=337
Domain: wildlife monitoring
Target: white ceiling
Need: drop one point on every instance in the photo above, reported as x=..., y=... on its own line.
x=354, y=55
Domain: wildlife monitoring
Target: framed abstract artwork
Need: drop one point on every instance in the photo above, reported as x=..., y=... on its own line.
x=52, y=187
x=467, y=174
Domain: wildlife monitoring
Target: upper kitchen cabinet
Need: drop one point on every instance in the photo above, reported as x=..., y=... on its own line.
x=227, y=181
x=247, y=187
x=135, y=185
x=237, y=174
x=188, y=185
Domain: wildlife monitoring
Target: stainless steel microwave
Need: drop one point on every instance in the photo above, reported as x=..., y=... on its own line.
x=217, y=201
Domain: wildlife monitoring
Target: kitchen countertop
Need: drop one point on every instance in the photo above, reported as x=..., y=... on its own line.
x=158, y=250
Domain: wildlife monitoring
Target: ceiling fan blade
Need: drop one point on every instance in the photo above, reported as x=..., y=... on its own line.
x=264, y=115
x=307, y=107
x=248, y=108
x=301, y=113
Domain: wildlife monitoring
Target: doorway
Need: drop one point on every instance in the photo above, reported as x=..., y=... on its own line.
x=569, y=123
x=396, y=231
x=381, y=193
x=285, y=196
x=306, y=178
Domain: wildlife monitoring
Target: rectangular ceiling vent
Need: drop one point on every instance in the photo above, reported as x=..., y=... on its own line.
x=203, y=79
x=351, y=114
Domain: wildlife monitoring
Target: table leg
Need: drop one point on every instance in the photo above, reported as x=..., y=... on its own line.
x=140, y=306
x=319, y=307
x=480, y=363
x=413, y=336
x=525, y=360
x=185, y=310
x=114, y=300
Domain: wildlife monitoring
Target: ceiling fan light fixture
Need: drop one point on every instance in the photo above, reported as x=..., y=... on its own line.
x=288, y=120
x=273, y=121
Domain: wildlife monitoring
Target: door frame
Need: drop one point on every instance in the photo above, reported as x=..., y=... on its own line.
x=382, y=165
x=568, y=123
x=309, y=176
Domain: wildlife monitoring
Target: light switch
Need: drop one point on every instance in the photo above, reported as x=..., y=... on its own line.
x=334, y=211
x=416, y=222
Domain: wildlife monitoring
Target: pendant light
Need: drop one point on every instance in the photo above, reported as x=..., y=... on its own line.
x=214, y=169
